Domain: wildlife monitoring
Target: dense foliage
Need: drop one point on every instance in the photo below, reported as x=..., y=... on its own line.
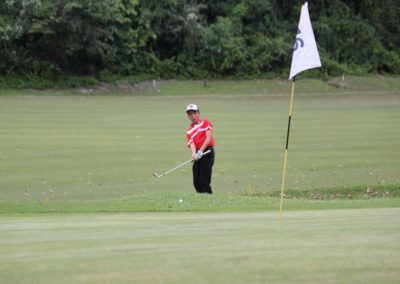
x=191, y=38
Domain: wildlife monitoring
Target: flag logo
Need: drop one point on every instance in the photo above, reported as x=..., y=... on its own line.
x=296, y=45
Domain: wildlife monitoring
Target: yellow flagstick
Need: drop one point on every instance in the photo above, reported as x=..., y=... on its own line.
x=286, y=150
x=305, y=56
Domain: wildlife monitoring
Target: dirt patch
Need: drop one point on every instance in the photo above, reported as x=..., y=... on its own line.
x=357, y=192
x=339, y=83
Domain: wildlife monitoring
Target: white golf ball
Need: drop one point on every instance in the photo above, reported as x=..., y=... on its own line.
x=180, y=200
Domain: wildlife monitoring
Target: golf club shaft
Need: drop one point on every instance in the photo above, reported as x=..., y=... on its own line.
x=177, y=167
x=183, y=164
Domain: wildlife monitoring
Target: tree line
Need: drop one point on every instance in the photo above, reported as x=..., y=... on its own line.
x=192, y=38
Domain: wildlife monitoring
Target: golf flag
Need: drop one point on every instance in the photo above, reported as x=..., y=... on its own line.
x=305, y=52
x=305, y=56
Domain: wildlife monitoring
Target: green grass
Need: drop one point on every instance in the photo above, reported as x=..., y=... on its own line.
x=350, y=84
x=159, y=202
x=83, y=148
x=79, y=204
x=66, y=149
x=320, y=246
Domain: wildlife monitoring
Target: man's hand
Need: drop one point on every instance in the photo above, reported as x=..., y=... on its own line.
x=199, y=154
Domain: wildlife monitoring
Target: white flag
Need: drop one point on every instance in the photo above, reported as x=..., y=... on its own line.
x=305, y=53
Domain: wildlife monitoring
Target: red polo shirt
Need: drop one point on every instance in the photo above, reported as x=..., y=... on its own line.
x=197, y=133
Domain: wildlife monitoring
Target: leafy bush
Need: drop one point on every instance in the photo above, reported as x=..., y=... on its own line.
x=390, y=62
x=43, y=40
x=169, y=68
x=39, y=82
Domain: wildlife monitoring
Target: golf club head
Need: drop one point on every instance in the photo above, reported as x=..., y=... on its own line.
x=156, y=175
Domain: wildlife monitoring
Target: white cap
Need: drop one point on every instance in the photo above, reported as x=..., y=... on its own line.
x=192, y=107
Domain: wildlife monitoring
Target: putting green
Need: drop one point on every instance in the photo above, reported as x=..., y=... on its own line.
x=322, y=246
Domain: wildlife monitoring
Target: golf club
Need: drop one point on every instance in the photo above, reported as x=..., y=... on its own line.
x=177, y=167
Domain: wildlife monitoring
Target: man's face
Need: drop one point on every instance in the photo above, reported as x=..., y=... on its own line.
x=193, y=115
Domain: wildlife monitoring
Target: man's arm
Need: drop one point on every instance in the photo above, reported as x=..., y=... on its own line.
x=193, y=150
x=209, y=137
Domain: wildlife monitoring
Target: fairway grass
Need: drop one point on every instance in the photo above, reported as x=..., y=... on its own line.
x=79, y=203
x=322, y=246
x=60, y=153
x=192, y=202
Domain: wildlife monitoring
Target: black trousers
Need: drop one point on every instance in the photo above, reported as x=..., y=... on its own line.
x=202, y=171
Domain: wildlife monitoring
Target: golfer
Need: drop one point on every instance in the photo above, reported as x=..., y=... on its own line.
x=199, y=140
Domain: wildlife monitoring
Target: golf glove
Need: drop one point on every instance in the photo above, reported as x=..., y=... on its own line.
x=199, y=154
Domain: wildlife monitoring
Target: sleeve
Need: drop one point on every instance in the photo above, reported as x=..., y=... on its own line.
x=208, y=125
